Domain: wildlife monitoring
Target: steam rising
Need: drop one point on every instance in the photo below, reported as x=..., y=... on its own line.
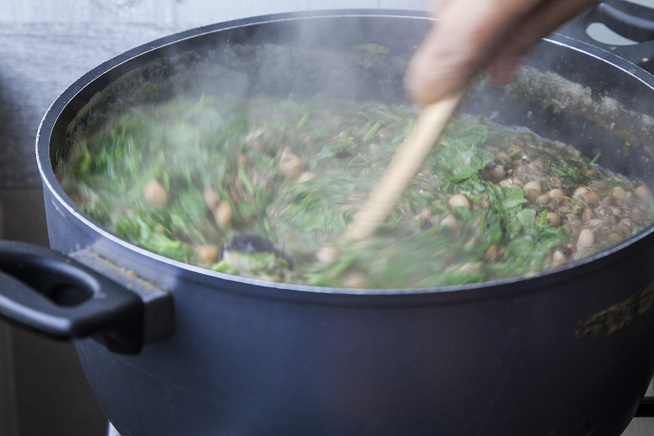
x=356, y=59
x=301, y=59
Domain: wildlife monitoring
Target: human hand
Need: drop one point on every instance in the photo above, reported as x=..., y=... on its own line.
x=484, y=35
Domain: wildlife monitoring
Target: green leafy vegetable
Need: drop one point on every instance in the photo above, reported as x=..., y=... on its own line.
x=295, y=172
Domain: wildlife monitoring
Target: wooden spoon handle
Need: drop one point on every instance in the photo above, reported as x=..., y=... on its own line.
x=403, y=167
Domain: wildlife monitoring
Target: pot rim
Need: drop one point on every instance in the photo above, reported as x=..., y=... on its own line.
x=510, y=285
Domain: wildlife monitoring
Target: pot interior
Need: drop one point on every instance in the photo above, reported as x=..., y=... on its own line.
x=566, y=90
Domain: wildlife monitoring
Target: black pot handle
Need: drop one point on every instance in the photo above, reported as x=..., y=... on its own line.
x=646, y=408
x=60, y=297
x=632, y=21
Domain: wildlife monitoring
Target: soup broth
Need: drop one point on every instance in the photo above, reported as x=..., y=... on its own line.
x=265, y=188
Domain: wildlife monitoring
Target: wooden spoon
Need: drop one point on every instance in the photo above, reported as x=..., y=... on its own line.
x=403, y=167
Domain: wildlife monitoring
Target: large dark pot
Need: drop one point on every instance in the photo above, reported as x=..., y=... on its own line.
x=568, y=351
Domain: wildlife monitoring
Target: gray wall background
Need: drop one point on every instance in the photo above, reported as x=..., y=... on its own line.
x=45, y=46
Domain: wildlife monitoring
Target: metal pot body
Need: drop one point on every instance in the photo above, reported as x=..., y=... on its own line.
x=565, y=352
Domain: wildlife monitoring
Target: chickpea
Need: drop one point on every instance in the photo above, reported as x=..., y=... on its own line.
x=642, y=192
x=211, y=198
x=509, y=183
x=592, y=198
x=290, y=164
x=579, y=193
x=554, y=219
x=424, y=216
x=496, y=173
x=327, y=253
x=556, y=181
x=155, y=193
x=471, y=267
x=586, y=195
x=618, y=193
x=459, y=200
x=449, y=221
x=385, y=134
x=492, y=252
x=590, y=172
x=616, y=237
x=516, y=146
x=556, y=194
x=355, y=280
x=305, y=176
x=223, y=215
x=503, y=157
x=559, y=258
x=532, y=190
x=586, y=239
x=207, y=254
x=542, y=200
